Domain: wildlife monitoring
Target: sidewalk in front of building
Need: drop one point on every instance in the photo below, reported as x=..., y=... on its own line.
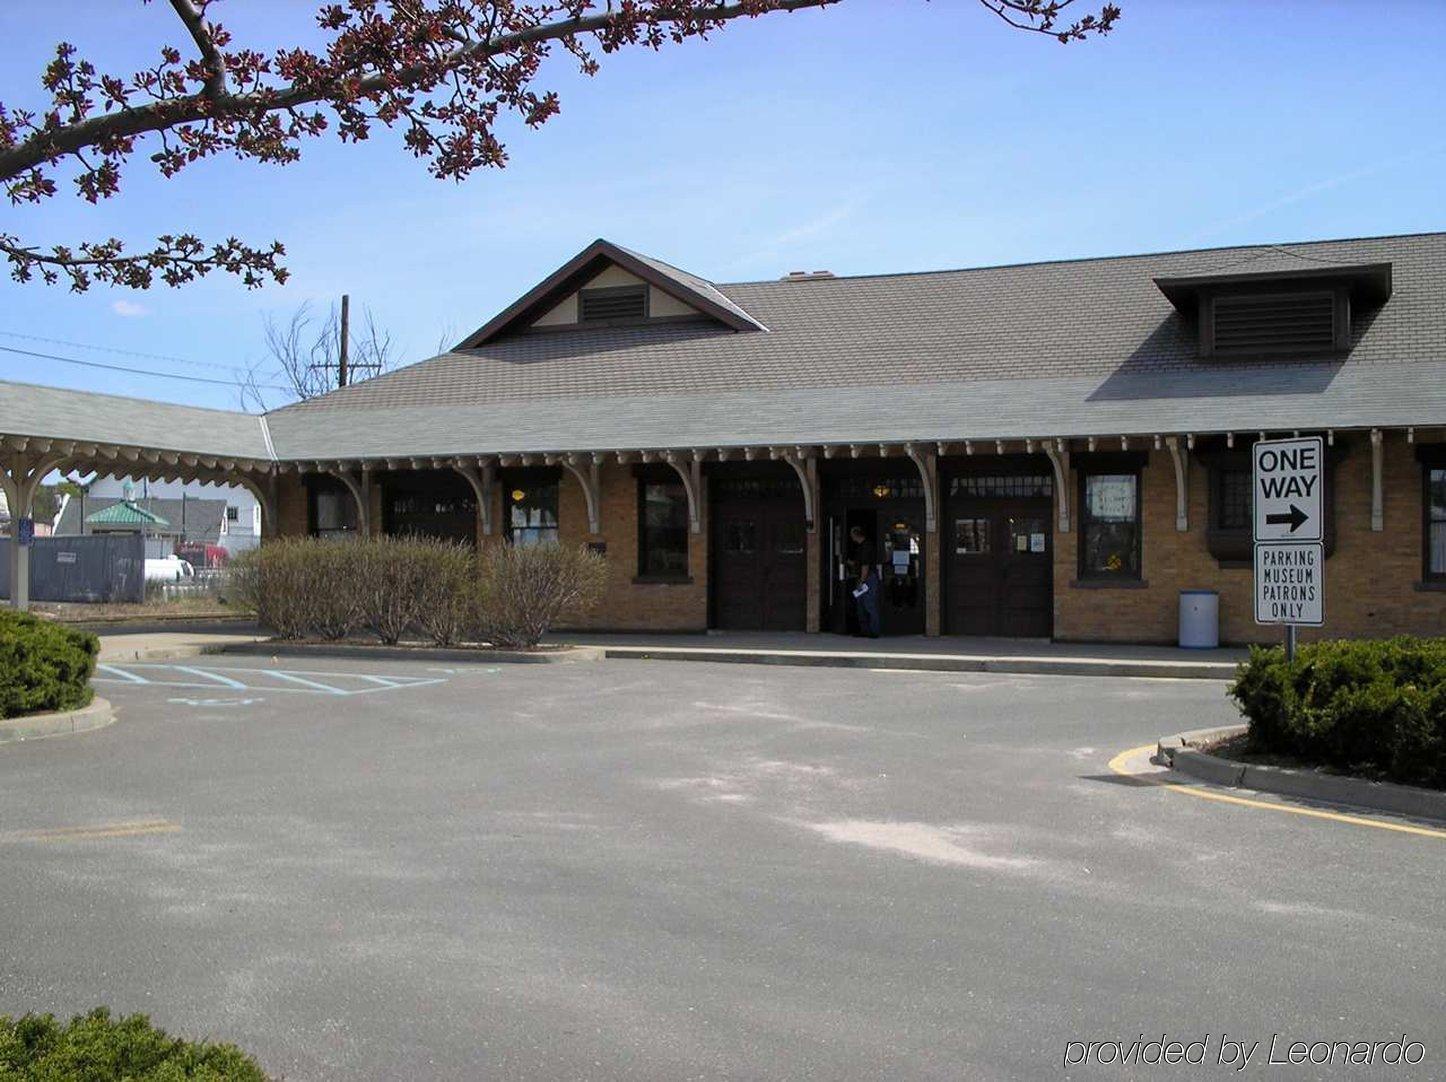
x=1024, y=656
x=943, y=654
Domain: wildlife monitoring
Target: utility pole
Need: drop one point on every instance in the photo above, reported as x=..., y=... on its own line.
x=345, y=334
x=371, y=361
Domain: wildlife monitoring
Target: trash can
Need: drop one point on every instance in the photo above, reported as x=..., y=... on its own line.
x=1199, y=619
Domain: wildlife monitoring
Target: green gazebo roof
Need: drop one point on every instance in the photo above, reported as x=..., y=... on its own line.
x=125, y=513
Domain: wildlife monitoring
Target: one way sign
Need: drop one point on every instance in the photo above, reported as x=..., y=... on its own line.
x=1288, y=489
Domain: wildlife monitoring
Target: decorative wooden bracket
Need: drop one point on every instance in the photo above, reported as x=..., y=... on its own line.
x=1058, y=454
x=359, y=484
x=1180, y=456
x=588, y=476
x=483, y=480
x=264, y=489
x=925, y=462
x=806, y=478
x=692, y=474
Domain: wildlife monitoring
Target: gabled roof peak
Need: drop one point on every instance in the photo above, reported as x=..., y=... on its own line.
x=696, y=292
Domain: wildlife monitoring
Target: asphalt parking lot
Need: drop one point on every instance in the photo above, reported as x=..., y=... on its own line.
x=633, y=869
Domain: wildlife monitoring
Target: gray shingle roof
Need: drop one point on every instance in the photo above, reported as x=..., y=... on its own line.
x=84, y=417
x=1082, y=319
x=1075, y=348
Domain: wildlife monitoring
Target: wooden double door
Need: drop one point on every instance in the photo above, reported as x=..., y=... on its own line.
x=999, y=567
x=759, y=557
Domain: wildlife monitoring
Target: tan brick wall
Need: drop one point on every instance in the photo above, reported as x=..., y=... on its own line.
x=1370, y=578
x=630, y=605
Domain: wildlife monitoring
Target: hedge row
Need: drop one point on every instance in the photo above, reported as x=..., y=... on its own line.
x=396, y=587
x=43, y=666
x=95, y=1047
x=1377, y=708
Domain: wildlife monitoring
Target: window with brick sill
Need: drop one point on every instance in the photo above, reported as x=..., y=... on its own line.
x=1110, y=542
x=662, y=528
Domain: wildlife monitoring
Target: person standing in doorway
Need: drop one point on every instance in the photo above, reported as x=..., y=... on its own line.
x=863, y=562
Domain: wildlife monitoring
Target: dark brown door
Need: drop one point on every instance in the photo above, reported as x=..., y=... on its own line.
x=759, y=565
x=1000, y=574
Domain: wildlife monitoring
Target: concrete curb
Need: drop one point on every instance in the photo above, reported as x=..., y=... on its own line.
x=95, y=716
x=1028, y=666
x=410, y=653
x=177, y=652
x=1181, y=753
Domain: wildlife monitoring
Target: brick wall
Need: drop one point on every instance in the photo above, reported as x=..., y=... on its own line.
x=629, y=605
x=1371, y=578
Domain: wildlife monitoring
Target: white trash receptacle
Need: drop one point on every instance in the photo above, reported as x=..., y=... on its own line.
x=1199, y=619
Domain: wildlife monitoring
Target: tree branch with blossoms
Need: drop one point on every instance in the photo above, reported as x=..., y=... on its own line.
x=443, y=73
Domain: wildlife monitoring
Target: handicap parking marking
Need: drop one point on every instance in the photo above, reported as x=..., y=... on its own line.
x=224, y=681
x=121, y=675
x=195, y=677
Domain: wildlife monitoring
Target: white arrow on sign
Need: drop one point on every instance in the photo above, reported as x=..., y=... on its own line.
x=1289, y=484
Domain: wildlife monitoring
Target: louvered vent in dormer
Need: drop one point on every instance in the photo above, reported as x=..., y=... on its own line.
x=619, y=303
x=1257, y=324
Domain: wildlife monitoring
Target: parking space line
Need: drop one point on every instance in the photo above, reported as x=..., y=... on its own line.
x=302, y=681
x=318, y=685
x=211, y=674
x=1117, y=764
x=117, y=671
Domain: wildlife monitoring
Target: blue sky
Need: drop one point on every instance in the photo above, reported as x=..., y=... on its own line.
x=876, y=136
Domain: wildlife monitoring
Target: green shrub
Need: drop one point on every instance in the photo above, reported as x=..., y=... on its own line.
x=43, y=666
x=524, y=591
x=1373, y=707
x=95, y=1047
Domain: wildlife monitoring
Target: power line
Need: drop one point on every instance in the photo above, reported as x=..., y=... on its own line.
x=143, y=371
x=125, y=352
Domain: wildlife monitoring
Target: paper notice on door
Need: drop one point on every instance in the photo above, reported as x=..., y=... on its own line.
x=1036, y=542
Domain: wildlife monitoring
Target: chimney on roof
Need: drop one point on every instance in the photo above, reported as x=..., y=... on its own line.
x=806, y=276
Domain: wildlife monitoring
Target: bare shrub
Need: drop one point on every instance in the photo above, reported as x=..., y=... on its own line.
x=391, y=577
x=447, y=591
x=524, y=591
x=243, y=579
x=333, y=597
x=284, y=568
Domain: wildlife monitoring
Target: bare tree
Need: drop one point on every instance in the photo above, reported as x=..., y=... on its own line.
x=307, y=348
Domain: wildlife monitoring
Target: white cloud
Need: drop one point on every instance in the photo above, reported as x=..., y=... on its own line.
x=129, y=309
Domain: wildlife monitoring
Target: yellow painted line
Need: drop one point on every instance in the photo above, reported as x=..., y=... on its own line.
x=126, y=829
x=1117, y=765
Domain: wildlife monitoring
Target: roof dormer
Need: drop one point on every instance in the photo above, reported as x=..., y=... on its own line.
x=605, y=285
x=1277, y=306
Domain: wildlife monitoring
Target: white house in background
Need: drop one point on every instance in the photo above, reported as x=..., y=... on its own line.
x=241, y=528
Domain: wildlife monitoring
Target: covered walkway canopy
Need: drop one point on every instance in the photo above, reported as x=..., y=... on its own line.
x=45, y=429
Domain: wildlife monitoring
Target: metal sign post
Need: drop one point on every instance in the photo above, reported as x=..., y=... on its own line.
x=1288, y=485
